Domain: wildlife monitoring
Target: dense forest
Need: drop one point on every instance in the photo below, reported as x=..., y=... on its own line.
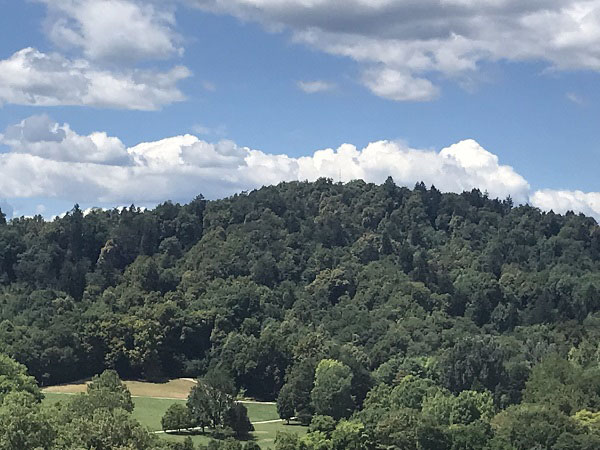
x=381, y=316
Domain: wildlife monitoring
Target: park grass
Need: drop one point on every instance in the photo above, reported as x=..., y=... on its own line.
x=149, y=411
x=264, y=434
x=258, y=412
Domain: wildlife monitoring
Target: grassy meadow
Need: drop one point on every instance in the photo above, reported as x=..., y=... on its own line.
x=152, y=400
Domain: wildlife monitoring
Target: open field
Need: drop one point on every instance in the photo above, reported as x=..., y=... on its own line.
x=148, y=411
x=178, y=388
x=151, y=403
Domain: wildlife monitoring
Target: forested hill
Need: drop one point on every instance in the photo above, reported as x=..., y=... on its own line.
x=462, y=289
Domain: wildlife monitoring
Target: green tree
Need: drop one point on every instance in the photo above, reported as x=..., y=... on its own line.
x=349, y=435
x=430, y=437
x=177, y=417
x=474, y=363
x=23, y=425
x=470, y=437
x=558, y=383
x=211, y=398
x=287, y=441
x=315, y=440
x=398, y=428
x=470, y=406
x=107, y=391
x=300, y=382
x=324, y=424
x=528, y=426
x=237, y=419
x=104, y=429
x=285, y=403
x=331, y=395
x=14, y=378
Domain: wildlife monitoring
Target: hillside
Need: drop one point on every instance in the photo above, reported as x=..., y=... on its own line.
x=462, y=292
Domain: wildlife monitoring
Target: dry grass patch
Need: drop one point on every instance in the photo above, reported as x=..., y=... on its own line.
x=176, y=389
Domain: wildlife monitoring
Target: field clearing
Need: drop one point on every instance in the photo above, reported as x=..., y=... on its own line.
x=176, y=389
x=149, y=411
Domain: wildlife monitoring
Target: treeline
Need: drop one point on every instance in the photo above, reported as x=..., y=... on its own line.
x=458, y=299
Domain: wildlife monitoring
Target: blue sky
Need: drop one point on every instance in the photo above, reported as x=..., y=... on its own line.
x=113, y=102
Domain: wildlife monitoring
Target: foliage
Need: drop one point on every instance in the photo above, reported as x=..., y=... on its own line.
x=99, y=419
x=332, y=392
x=236, y=418
x=211, y=399
x=107, y=391
x=432, y=320
x=14, y=378
x=285, y=403
x=177, y=417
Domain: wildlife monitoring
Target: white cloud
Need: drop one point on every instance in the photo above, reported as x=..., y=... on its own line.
x=411, y=41
x=562, y=201
x=312, y=87
x=399, y=86
x=121, y=31
x=462, y=166
x=100, y=43
x=41, y=136
x=204, y=130
x=45, y=159
x=573, y=97
x=30, y=77
x=51, y=160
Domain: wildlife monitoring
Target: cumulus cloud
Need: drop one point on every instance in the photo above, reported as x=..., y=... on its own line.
x=312, y=87
x=120, y=31
x=562, y=201
x=462, y=166
x=30, y=77
x=100, y=43
x=41, y=136
x=407, y=42
x=45, y=159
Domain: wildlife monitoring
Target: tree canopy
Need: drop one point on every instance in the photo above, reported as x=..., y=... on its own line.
x=410, y=317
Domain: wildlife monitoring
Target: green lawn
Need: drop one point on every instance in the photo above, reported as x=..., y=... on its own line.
x=257, y=412
x=264, y=434
x=148, y=411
